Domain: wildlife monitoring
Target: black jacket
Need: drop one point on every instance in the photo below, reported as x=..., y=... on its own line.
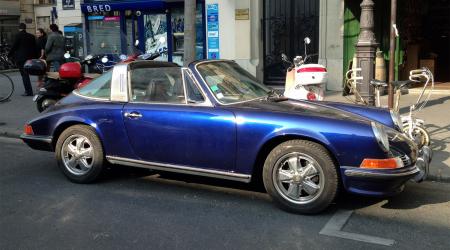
x=24, y=47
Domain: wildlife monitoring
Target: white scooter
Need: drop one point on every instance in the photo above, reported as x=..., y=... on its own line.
x=304, y=81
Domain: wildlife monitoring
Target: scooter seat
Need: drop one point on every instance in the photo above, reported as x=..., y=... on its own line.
x=53, y=75
x=91, y=75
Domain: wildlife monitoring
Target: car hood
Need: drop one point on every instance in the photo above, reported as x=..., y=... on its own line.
x=300, y=108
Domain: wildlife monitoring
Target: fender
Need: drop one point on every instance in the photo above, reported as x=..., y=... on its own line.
x=381, y=115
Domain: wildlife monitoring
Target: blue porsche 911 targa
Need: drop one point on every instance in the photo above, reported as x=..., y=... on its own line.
x=215, y=119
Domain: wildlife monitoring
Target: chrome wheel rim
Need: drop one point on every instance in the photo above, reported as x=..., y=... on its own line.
x=77, y=154
x=298, y=178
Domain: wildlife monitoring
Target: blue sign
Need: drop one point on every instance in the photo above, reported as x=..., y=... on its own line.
x=95, y=17
x=212, y=14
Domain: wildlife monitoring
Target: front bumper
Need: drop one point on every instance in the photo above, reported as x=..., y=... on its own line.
x=389, y=181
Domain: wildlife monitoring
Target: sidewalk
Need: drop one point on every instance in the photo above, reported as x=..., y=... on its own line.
x=15, y=113
x=19, y=109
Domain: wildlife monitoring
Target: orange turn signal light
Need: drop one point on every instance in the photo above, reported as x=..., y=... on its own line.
x=389, y=163
x=28, y=130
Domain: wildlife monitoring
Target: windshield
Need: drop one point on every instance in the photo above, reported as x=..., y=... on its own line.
x=230, y=83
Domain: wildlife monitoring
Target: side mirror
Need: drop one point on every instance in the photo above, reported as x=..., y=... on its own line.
x=307, y=40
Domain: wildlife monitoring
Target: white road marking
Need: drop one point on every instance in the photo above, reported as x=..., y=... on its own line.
x=338, y=221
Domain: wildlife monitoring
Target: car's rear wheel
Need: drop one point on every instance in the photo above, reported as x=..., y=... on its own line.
x=301, y=176
x=79, y=154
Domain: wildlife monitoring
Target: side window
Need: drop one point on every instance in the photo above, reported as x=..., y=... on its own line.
x=193, y=93
x=157, y=85
x=100, y=87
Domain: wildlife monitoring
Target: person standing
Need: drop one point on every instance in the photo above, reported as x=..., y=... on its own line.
x=54, y=48
x=41, y=42
x=24, y=48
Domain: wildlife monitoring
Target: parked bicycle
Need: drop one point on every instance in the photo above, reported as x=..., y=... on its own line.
x=6, y=87
x=5, y=61
x=413, y=127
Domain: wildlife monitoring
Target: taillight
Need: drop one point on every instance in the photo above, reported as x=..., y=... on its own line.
x=28, y=130
x=311, y=96
x=311, y=70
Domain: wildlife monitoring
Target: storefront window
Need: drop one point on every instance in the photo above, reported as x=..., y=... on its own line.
x=114, y=29
x=105, y=33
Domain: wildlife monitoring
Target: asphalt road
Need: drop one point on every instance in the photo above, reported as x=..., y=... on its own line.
x=132, y=208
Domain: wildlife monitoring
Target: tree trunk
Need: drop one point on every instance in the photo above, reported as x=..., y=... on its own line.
x=189, y=31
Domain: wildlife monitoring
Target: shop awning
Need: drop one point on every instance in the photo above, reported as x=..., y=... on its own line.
x=95, y=7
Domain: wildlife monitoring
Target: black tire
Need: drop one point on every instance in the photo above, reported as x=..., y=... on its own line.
x=96, y=161
x=44, y=103
x=304, y=152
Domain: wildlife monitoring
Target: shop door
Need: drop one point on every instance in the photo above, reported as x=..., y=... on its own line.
x=286, y=24
x=153, y=27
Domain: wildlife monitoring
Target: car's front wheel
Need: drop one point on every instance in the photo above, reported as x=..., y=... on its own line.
x=301, y=176
x=79, y=154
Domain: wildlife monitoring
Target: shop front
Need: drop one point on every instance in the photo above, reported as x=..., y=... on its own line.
x=113, y=27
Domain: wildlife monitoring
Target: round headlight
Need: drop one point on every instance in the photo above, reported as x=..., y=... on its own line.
x=397, y=120
x=380, y=135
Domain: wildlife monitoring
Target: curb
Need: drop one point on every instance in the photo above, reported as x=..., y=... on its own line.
x=9, y=70
x=429, y=178
x=435, y=91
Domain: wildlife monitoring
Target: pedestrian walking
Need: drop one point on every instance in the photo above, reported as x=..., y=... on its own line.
x=54, y=48
x=41, y=41
x=24, y=48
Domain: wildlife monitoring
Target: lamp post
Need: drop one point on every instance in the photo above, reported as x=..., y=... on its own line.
x=391, y=53
x=365, y=51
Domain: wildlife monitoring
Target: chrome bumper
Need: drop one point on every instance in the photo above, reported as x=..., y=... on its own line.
x=423, y=163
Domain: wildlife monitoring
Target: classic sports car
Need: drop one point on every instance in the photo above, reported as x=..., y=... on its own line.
x=215, y=119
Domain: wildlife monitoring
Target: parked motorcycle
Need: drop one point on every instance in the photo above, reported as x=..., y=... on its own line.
x=59, y=84
x=304, y=81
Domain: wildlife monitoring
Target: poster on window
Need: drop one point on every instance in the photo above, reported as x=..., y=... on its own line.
x=68, y=4
x=156, y=34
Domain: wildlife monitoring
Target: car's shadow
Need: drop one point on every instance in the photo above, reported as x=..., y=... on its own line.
x=414, y=195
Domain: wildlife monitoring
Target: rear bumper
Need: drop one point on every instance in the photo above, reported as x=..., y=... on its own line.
x=38, y=142
x=386, y=182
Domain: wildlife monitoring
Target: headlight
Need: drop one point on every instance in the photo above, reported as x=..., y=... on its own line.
x=380, y=135
x=397, y=120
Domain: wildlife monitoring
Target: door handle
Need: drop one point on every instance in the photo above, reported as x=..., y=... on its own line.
x=133, y=115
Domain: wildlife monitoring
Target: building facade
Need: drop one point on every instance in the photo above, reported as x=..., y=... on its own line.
x=45, y=13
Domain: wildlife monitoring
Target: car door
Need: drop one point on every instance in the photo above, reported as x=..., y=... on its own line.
x=164, y=126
